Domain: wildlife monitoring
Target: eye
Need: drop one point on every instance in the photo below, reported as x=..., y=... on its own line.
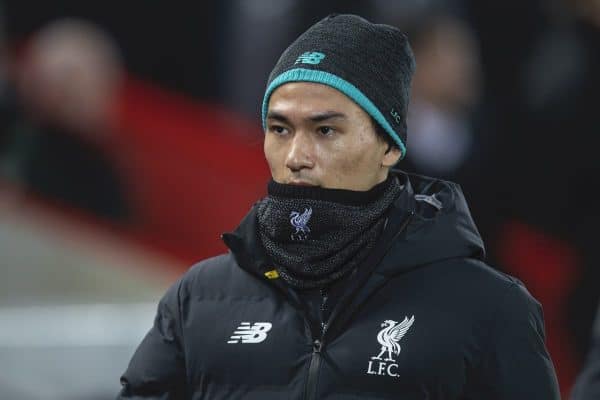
x=278, y=130
x=326, y=130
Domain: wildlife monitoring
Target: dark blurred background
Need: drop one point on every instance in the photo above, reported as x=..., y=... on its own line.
x=130, y=139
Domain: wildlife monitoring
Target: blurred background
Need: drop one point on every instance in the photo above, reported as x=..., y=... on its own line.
x=130, y=140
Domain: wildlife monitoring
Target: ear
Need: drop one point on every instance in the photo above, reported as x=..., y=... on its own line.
x=391, y=157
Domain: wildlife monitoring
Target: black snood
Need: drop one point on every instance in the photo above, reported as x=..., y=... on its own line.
x=315, y=236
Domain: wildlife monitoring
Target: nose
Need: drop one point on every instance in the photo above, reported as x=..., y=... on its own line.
x=300, y=152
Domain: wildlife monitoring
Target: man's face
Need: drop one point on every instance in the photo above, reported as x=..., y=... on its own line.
x=317, y=136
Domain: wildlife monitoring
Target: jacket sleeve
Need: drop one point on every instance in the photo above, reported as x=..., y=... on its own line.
x=157, y=368
x=587, y=386
x=516, y=364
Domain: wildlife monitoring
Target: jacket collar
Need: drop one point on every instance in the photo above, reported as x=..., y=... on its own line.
x=440, y=228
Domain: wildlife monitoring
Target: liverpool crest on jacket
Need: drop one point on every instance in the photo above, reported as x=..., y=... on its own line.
x=384, y=363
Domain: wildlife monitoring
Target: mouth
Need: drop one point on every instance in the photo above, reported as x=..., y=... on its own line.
x=301, y=183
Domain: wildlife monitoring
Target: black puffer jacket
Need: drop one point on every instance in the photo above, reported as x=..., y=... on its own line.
x=424, y=318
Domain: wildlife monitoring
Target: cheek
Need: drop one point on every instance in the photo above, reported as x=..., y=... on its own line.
x=353, y=160
x=272, y=155
x=361, y=153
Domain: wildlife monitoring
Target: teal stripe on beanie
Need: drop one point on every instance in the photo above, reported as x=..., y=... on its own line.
x=336, y=82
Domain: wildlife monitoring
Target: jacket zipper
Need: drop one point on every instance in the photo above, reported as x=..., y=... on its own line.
x=323, y=309
x=310, y=392
x=315, y=359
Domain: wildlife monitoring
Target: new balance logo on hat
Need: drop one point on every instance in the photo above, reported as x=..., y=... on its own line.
x=247, y=333
x=310, y=57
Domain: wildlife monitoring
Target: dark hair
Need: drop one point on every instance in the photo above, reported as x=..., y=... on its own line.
x=383, y=135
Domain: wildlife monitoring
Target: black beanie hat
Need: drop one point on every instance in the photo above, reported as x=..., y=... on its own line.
x=370, y=63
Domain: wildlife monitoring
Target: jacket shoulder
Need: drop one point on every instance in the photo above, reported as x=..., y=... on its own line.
x=484, y=273
x=220, y=276
x=481, y=286
x=213, y=265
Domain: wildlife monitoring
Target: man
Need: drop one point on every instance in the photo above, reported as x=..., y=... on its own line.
x=347, y=281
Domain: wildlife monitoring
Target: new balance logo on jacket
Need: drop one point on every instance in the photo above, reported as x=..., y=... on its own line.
x=247, y=333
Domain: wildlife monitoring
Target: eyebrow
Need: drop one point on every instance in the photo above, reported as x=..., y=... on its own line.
x=318, y=117
x=327, y=115
x=278, y=117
